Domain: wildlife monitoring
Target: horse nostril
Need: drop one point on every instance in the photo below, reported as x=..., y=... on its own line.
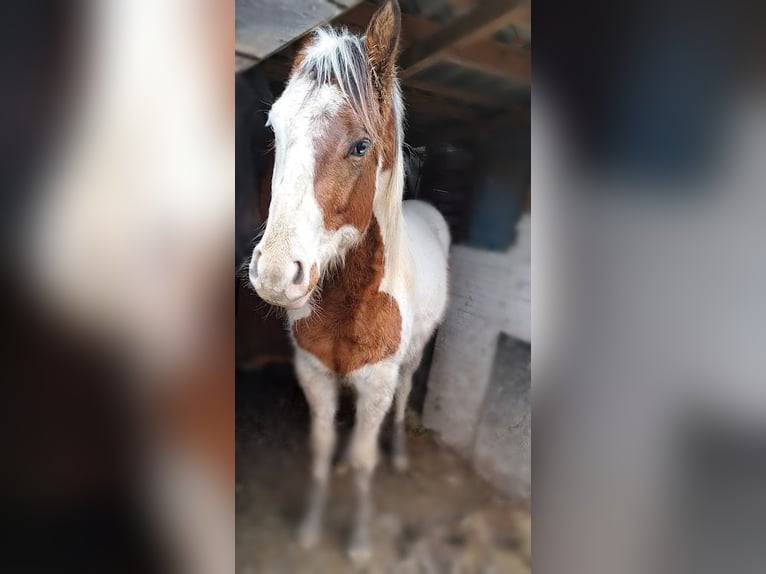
x=298, y=278
x=254, y=263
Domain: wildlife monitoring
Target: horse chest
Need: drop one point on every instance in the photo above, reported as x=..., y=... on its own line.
x=354, y=323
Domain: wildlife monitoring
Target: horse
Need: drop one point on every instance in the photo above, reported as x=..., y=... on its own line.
x=361, y=273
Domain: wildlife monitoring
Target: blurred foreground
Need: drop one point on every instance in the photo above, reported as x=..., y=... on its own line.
x=118, y=194
x=649, y=287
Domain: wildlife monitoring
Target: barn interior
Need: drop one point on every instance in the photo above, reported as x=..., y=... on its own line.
x=464, y=68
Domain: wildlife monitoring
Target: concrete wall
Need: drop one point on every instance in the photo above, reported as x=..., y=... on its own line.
x=478, y=387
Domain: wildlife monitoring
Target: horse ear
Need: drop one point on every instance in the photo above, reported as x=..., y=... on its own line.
x=299, y=51
x=382, y=39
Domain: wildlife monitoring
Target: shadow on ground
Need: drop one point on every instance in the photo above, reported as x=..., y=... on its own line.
x=437, y=518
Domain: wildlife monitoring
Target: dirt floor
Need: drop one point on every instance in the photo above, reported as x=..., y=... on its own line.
x=437, y=518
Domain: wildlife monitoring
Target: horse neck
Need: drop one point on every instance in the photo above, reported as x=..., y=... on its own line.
x=387, y=210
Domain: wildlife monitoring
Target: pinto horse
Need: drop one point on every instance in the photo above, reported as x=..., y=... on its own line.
x=362, y=273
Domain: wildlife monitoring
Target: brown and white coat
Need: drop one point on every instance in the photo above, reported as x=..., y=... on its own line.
x=363, y=275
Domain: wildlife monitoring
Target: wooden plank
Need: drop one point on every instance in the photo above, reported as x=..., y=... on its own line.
x=458, y=94
x=263, y=27
x=509, y=62
x=426, y=104
x=243, y=62
x=486, y=19
x=516, y=13
x=489, y=56
x=461, y=131
x=520, y=18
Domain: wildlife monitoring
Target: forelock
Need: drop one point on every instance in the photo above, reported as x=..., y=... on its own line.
x=339, y=58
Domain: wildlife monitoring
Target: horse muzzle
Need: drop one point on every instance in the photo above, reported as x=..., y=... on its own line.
x=279, y=281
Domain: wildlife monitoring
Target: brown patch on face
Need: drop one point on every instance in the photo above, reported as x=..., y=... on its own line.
x=358, y=325
x=344, y=185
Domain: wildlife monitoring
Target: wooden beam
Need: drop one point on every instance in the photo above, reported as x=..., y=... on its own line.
x=516, y=13
x=427, y=104
x=489, y=57
x=458, y=94
x=243, y=62
x=486, y=19
x=509, y=62
x=483, y=128
x=263, y=27
x=503, y=60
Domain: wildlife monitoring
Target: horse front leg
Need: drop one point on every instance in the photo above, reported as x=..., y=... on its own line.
x=375, y=386
x=399, y=443
x=321, y=393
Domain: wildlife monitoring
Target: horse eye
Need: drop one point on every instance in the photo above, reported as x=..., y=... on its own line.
x=360, y=148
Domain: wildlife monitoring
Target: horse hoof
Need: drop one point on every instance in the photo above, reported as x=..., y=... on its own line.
x=360, y=554
x=308, y=535
x=401, y=463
